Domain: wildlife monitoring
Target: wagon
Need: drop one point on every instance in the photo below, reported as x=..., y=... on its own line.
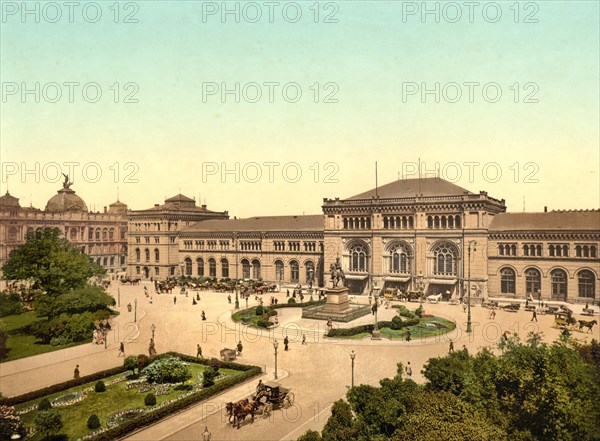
x=564, y=320
x=228, y=354
x=274, y=396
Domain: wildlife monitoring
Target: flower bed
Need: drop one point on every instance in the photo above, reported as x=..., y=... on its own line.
x=123, y=416
x=69, y=399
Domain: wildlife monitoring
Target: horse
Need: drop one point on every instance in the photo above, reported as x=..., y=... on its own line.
x=231, y=406
x=434, y=298
x=586, y=324
x=241, y=411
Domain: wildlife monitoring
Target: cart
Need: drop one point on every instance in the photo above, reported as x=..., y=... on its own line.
x=274, y=396
x=564, y=320
x=228, y=354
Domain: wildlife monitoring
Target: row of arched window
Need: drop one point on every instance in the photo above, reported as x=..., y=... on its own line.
x=147, y=255
x=97, y=233
x=443, y=221
x=586, y=283
x=356, y=223
x=396, y=222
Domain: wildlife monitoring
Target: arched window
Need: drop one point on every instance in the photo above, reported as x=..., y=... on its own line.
x=587, y=284
x=429, y=222
x=245, y=269
x=533, y=281
x=200, y=266
x=224, y=268
x=105, y=261
x=90, y=234
x=559, y=284
x=104, y=234
x=112, y=261
x=12, y=234
x=358, y=258
x=98, y=234
x=310, y=271
x=188, y=266
x=156, y=255
x=507, y=281
x=256, y=269
x=399, y=259
x=137, y=254
x=279, y=270
x=294, y=271
x=147, y=254
x=445, y=260
x=73, y=233
x=212, y=267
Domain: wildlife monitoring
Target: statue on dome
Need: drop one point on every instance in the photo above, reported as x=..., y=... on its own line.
x=67, y=184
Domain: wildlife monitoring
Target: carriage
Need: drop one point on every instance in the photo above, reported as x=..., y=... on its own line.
x=564, y=320
x=273, y=396
x=228, y=354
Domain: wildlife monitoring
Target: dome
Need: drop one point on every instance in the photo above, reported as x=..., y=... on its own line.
x=65, y=200
x=9, y=201
x=117, y=208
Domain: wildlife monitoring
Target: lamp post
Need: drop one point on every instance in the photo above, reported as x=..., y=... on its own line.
x=275, y=345
x=246, y=297
x=105, y=339
x=206, y=435
x=375, y=335
x=539, y=291
x=237, y=299
x=119, y=297
x=153, y=328
x=135, y=311
x=420, y=285
x=352, y=357
x=474, y=243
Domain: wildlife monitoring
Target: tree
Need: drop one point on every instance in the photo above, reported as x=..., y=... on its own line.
x=131, y=363
x=4, y=349
x=51, y=262
x=84, y=299
x=310, y=435
x=48, y=422
x=340, y=425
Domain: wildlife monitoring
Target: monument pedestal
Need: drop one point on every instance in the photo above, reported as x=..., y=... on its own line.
x=337, y=300
x=375, y=335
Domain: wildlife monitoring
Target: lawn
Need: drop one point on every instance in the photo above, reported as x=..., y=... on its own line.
x=428, y=326
x=22, y=344
x=116, y=398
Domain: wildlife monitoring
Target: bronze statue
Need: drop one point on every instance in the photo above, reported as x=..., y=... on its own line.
x=67, y=184
x=337, y=273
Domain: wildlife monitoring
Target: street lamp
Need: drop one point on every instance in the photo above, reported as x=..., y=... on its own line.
x=206, y=435
x=153, y=328
x=105, y=338
x=375, y=335
x=135, y=311
x=237, y=299
x=352, y=357
x=474, y=243
x=275, y=345
x=119, y=296
x=246, y=296
x=539, y=291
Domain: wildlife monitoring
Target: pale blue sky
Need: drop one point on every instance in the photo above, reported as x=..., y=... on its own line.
x=369, y=54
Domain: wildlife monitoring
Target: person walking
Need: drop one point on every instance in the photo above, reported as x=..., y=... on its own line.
x=493, y=314
x=240, y=347
x=76, y=372
x=229, y=298
x=121, y=350
x=408, y=370
x=465, y=350
x=203, y=315
x=286, y=342
x=408, y=335
x=174, y=300
x=199, y=352
x=534, y=316
x=451, y=347
x=304, y=339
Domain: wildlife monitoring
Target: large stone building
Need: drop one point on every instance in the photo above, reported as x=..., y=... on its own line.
x=103, y=236
x=409, y=234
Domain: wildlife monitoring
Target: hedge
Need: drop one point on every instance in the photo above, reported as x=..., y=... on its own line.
x=347, y=332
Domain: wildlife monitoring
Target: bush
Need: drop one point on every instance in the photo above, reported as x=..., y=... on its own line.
x=93, y=422
x=262, y=323
x=419, y=311
x=100, y=386
x=167, y=370
x=130, y=363
x=10, y=303
x=208, y=378
x=184, y=387
x=44, y=405
x=291, y=301
x=260, y=310
x=66, y=328
x=142, y=361
x=150, y=400
x=48, y=422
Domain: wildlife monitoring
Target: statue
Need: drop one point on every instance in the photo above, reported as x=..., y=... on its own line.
x=67, y=184
x=337, y=273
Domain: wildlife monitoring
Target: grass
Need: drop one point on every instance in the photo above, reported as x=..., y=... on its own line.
x=421, y=330
x=21, y=343
x=104, y=404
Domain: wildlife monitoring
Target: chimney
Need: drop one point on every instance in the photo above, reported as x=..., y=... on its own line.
x=105, y=208
x=156, y=205
x=204, y=206
x=545, y=209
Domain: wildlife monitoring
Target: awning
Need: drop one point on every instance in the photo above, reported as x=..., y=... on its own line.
x=356, y=276
x=396, y=279
x=442, y=281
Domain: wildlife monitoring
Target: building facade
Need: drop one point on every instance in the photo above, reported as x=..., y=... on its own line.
x=102, y=236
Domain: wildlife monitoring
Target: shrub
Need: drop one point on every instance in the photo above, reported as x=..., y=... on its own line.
x=260, y=310
x=93, y=422
x=419, y=311
x=208, y=378
x=44, y=405
x=167, y=370
x=48, y=422
x=100, y=386
x=142, y=361
x=150, y=400
x=130, y=363
x=10, y=303
x=291, y=301
x=184, y=387
x=262, y=323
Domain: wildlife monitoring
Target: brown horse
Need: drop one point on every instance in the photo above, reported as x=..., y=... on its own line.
x=241, y=411
x=231, y=407
x=586, y=324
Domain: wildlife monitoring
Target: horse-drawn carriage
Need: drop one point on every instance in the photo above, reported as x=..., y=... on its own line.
x=273, y=396
x=228, y=354
x=512, y=307
x=564, y=320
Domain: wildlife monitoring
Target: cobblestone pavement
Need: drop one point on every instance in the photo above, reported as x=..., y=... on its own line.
x=318, y=373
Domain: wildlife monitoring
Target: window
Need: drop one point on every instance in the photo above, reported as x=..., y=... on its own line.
x=507, y=281
x=90, y=234
x=200, y=266
x=137, y=254
x=156, y=239
x=245, y=269
x=137, y=239
x=533, y=281
x=310, y=271
x=587, y=284
x=358, y=258
x=559, y=284
x=294, y=271
x=137, y=270
x=112, y=261
x=256, y=269
x=445, y=260
x=279, y=270
x=399, y=259
x=111, y=234
x=156, y=255
x=188, y=266
x=212, y=267
x=224, y=268
x=147, y=254
x=156, y=271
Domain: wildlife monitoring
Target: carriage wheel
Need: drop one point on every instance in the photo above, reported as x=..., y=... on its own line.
x=267, y=410
x=289, y=399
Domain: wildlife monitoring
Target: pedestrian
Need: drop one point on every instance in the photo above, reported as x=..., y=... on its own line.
x=203, y=315
x=408, y=370
x=121, y=350
x=76, y=372
x=151, y=299
x=229, y=298
x=329, y=323
x=451, y=347
x=465, y=307
x=198, y=296
x=240, y=347
x=304, y=339
x=534, y=316
x=174, y=300
x=465, y=350
x=493, y=314
x=286, y=342
x=408, y=336
x=288, y=293
x=199, y=352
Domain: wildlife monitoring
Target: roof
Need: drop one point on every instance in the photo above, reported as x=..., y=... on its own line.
x=9, y=201
x=313, y=222
x=180, y=198
x=548, y=221
x=406, y=188
x=66, y=200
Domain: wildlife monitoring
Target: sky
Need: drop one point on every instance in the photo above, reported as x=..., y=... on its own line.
x=266, y=108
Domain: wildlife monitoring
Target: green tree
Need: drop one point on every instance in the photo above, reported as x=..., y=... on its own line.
x=340, y=425
x=131, y=363
x=51, y=262
x=84, y=299
x=310, y=435
x=48, y=422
